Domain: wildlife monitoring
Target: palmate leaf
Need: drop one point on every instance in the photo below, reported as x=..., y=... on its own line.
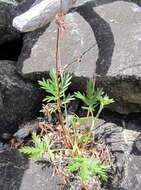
x=80, y=96
x=89, y=98
x=29, y=150
x=105, y=100
x=42, y=146
x=84, y=173
x=34, y=153
x=65, y=83
x=50, y=99
x=67, y=99
x=86, y=167
x=92, y=98
x=51, y=86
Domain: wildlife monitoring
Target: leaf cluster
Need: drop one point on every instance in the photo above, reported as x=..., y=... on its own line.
x=87, y=167
x=93, y=97
x=42, y=146
x=56, y=87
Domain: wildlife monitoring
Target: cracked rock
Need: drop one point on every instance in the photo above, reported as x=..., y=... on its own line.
x=96, y=38
x=77, y=43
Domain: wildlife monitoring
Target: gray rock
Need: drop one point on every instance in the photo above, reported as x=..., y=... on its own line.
x=103, y=39
x=8, y=10
x=121, y=139
x=16, y=172
x=26, y=129
x=137, y=145
x=7, y=32
x=39, y=47
x=20, y=100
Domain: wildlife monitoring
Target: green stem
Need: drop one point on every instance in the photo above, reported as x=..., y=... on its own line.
x=97, y=115
x=94, y=120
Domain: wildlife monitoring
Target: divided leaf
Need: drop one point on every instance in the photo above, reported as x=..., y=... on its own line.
x=86, y=167
x=42, y=146
x=51, y=87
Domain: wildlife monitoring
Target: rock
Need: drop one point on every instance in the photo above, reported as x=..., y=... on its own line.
x=137, y=146
x=97, y=37
x=16, y=172
x=40, y=14
x=19, y=100
x=8, y=10
x=121, y=141
x=7, y=13
x=39, y=47
x=23, y=5
x=73, y=106
x=122, y=73
x=26, y=130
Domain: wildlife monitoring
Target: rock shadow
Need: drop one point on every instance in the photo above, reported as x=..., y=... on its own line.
x=34, y=36
x=102, y=33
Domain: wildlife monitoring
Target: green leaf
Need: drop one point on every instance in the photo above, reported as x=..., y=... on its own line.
x=105, y=100
x=84, y=173
x=87, y=167
x=42, y=146
x=80, y=96
x=67, y=99
x=51, y=86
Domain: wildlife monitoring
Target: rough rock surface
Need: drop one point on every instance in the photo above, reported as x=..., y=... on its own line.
x=19, y=99
x=7, y=32
x=121, y=134
x=16, y=172
x=38, y=53
x=8, y=10
x=101, y=38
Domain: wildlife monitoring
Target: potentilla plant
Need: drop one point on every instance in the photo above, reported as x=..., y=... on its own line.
x=66, y=143
x=74, y=139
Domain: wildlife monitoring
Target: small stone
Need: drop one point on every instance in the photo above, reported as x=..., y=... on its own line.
x=6, y=136
x=137, y=146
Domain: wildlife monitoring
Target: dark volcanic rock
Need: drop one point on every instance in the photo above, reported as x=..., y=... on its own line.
x=8, y=10
x=16, y=172
x=19, y=99
x=102, y=39
x=39, y=48
x=137, y=146
x=122, y=140
x=7, y=13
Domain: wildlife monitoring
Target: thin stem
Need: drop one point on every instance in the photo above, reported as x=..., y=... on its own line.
x=97, y=115
x=59, y=75
x=58, y=87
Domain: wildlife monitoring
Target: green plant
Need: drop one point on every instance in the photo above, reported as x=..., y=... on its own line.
x=90, y=98
x=87, y=167
x=51, y=87
x=93, y=98
x=42, y=146
x=56, y=86
x=75, y=137
x=69, y=136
